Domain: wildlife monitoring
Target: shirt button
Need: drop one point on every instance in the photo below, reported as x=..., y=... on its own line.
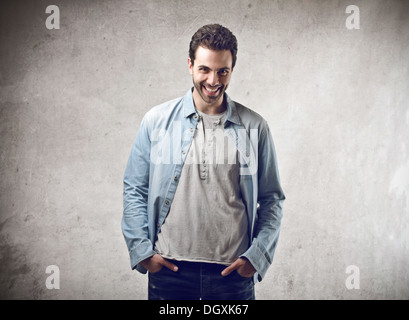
x=183, y=152
x=175, y=178
x=166, y=202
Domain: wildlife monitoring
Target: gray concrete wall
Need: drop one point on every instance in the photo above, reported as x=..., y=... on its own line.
x=336, y=100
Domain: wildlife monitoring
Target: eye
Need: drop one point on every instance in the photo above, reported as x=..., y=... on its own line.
x=223, y=72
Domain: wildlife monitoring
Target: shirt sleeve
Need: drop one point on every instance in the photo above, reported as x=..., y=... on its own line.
x=135, y=196
x=269, y=207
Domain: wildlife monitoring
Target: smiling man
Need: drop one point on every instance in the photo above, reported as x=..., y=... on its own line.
x=202, y=195
x=211, y=76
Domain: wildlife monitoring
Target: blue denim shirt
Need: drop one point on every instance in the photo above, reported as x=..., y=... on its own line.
x=155, y=164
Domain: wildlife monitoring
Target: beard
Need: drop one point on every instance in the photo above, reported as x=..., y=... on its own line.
x=208, y=96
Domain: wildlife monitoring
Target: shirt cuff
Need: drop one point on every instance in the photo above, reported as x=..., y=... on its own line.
x=258, y=259
x=140, y=253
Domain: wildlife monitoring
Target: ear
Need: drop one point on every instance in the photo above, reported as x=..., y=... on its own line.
x=189, y=62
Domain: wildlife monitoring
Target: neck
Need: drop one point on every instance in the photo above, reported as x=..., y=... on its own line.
x=209, y=108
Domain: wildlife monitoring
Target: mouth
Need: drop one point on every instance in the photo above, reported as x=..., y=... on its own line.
x=211, y=91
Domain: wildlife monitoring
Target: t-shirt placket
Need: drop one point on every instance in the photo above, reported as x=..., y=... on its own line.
x=208, y=144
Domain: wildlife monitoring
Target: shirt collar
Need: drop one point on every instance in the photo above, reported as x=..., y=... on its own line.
x=188, y=104
x=189, y=107
x=232, y=114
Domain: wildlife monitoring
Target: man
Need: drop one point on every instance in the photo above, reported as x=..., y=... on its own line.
x=202, y=196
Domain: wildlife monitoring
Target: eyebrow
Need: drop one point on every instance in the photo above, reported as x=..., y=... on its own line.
x=222, y=68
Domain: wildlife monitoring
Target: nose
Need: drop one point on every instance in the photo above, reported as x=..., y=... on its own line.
x=213, y=78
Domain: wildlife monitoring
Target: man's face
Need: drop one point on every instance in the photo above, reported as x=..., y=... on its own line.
x=211, y=74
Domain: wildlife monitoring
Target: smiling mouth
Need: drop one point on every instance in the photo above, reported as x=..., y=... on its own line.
x=211, y=91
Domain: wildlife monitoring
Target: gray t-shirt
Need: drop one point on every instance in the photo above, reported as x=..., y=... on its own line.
x=207, y=221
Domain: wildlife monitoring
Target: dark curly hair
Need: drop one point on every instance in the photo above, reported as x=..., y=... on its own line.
x=214, y=37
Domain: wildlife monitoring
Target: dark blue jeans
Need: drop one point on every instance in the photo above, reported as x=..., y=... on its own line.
x=197, y=280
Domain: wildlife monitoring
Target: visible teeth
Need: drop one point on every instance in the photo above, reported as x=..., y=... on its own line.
x=211, y=90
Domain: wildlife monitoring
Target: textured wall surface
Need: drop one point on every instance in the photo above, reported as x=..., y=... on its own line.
x=336, y=100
